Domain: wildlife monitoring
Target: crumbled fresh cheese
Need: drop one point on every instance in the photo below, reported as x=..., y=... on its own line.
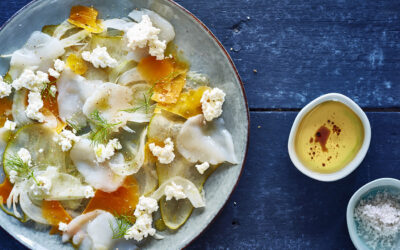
x=378, y=220
x=100, y=58
x=10, y=125
x=62, y=226
x=41, y=185
x=89, y=192
x=5, y=88
x=41, y=150
x=164, y=155
x=65, y=139
x=25, y=156
x=53, y=90
x=146, y=205
x=141, y=229
x=211, y=103
x=29, y=80
x=104, y=152
x=174, y=191
x=59, y=65
x=202, y=167
x=13, y=175
x=54, y=73
x=35, y=104
x=145, y=34
x=144, y=220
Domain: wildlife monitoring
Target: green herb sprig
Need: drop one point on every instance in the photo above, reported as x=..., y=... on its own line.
x=103, y=128
x=124, y=222
x=14, y=162
x=145, y=104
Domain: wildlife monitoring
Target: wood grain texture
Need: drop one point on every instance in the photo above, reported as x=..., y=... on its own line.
x=277, y=207
x=303, y=49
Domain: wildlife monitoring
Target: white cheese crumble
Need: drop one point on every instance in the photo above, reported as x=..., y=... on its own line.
x=89, y=192
x=104, y=152
x=146, y=205
x=13, y=175
x=25, y=156
x=144, y=220
x=10, y=125
x=54, y=73
x=211, y=103
x=41, y=185
x=378, y=220
x=164, y=155
x=29, y=80
x=5, y=88
x=35, y=104
x=59, y=65
x=100, y=58
x=62, y=226
x=145, y=34
x=41, y=150
x=65, y=139
x=202, y=167
x=174, y=191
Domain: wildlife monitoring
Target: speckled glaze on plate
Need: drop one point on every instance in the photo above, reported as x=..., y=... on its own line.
x=206, y=55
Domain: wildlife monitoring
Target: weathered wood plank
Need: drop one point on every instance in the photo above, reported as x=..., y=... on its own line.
x=304, y=49
x=277, y=207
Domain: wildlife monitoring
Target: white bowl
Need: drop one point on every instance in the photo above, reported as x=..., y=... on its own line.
x=351, y=166
x=390, y=184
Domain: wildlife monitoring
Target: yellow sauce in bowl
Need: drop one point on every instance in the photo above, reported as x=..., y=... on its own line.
x=329, y=137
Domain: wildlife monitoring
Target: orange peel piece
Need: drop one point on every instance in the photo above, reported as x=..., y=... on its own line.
x=123, y=201
x=55, y=213
x=5, y=108
x=188, y=103
x=77, y=64
x=5, y=190
x=168, y=77
x=86, y=18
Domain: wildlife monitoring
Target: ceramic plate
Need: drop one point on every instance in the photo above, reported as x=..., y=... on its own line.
x=206, y=55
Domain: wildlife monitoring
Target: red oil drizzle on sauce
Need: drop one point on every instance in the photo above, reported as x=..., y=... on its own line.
x=321, y=137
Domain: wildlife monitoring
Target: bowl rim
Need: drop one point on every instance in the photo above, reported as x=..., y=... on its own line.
x=209, y=32
x=365, y=189
x=353, y=164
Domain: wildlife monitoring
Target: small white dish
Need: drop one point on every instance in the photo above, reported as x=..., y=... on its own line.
x=351, y=166
x=389, y=184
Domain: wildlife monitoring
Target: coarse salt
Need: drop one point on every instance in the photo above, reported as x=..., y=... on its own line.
x=378, y=219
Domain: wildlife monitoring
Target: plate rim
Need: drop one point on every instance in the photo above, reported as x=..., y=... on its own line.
x=210, y=33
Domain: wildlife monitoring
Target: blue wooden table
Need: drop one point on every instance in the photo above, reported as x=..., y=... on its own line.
x=288, y=53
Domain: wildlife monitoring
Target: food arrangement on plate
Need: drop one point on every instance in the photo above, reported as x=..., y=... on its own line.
x=107, y=134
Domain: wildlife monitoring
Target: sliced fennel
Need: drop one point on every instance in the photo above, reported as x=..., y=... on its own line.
x=34, y=137
x=174, y=213
x=134, y=153
x=189, y=188
x=64, y=187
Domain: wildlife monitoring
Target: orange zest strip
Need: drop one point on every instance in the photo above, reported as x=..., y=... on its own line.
x=168, y=77
x=188, y=103
x=77, y=64
x=5, y=190
x=55, y=213
x=123, y=201
x=5, y=110
x=86, y=18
